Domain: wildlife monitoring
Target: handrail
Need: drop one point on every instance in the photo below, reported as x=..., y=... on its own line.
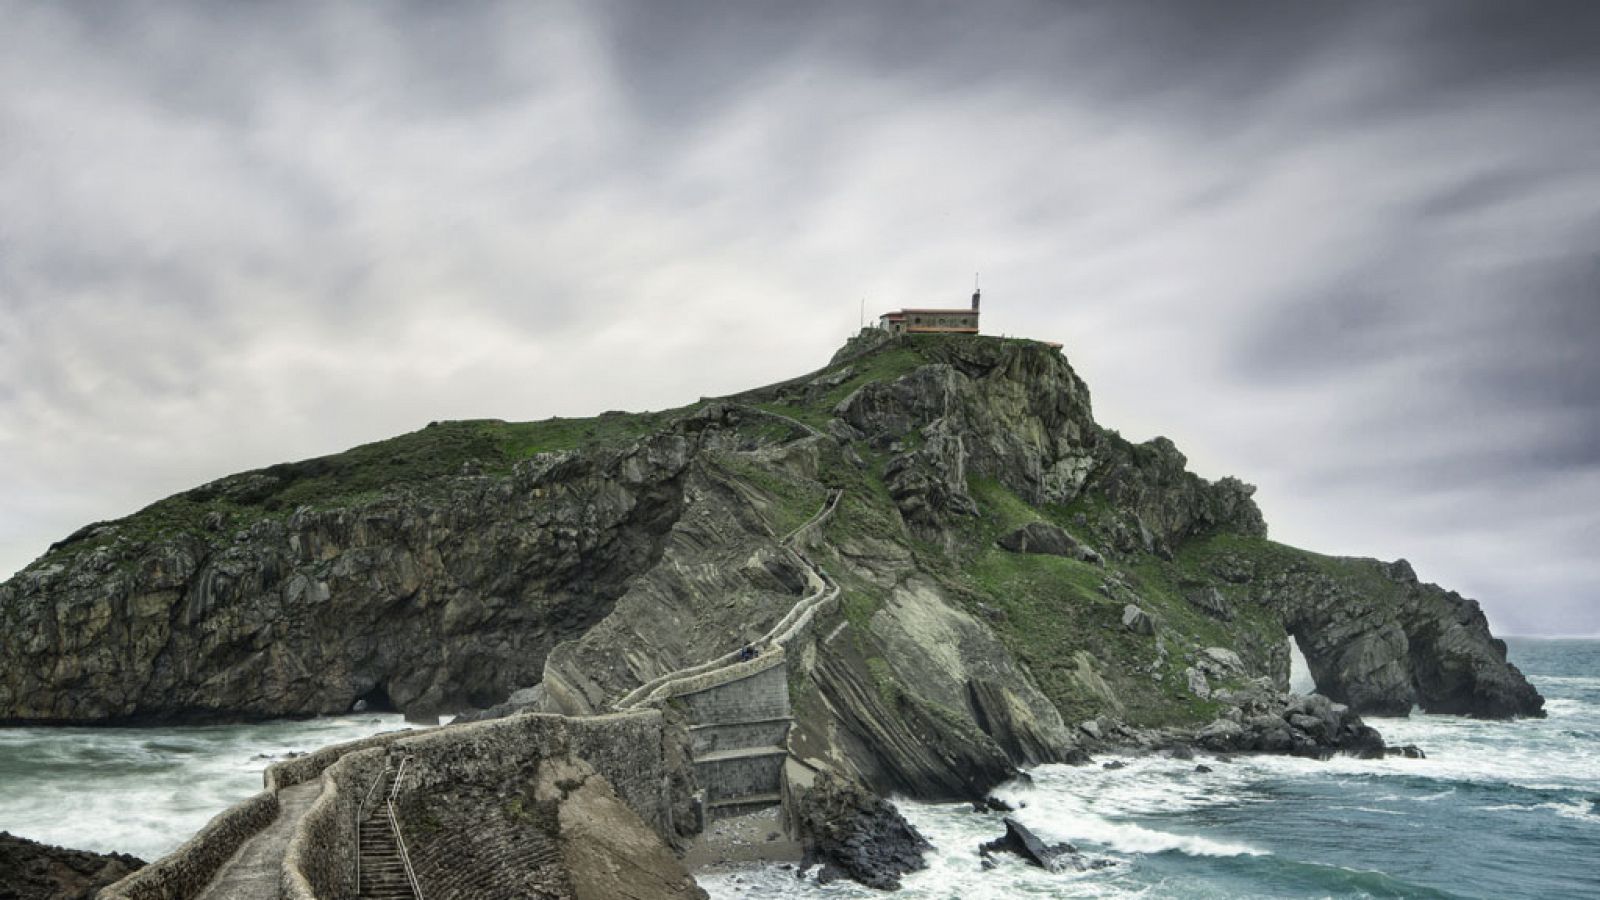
x=394, y=823
x=360, y=808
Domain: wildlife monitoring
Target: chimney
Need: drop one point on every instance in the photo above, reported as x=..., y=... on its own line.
x=975, y=294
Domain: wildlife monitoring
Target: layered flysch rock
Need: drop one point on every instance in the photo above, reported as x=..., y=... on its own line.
x=990, y=542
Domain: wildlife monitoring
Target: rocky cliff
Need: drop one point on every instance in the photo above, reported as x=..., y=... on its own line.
x=1009, y=568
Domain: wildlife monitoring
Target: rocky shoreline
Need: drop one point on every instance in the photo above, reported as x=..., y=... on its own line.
x=30, y=870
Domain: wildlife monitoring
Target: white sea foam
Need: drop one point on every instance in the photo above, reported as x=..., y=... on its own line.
x=1582, y=810
x=145, y=790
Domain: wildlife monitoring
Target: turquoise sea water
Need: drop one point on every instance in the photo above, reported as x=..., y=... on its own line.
x=1498, y=810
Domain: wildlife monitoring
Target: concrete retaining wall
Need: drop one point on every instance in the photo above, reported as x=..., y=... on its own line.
x=185, y=871
x=319, y=863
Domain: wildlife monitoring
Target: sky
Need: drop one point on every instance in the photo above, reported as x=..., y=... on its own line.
x=1348, y=252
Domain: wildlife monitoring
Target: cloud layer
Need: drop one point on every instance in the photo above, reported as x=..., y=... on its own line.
x=1350, y=252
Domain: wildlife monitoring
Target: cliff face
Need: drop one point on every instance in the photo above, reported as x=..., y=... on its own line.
x=1008, y=568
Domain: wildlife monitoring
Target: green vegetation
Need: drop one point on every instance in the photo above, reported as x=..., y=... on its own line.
x=793, y=500
x=793, y=401
x=417, y=462
x=1063, y=617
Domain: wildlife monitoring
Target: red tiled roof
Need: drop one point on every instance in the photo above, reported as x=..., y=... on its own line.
x=936, y=312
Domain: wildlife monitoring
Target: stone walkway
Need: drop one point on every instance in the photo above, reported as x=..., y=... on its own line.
x=253, y=872
x=753, y=838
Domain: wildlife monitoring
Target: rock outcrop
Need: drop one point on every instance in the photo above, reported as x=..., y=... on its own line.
x=853, y=832
x=1019, y=840
x=1380, y=640
x=1261, y=720
x=33, y=871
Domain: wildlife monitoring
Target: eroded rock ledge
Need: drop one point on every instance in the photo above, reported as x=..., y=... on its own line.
x=30, y=870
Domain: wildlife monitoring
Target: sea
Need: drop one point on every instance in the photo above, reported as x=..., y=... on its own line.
x=1496, y=810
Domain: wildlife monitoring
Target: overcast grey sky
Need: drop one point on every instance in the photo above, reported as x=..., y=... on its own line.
x=1349, y=252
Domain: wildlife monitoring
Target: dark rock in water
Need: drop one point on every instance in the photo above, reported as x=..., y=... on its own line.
x=858, y=834
x=1077, y=756
x=33, y=871
x=1024, y=843
x=1202, y=769
x=1311, y=726
x=995, y=804
x=1362, y=742
x=1409, y=751
x=1115, y=764
x=829, y=873
x=1179, y=752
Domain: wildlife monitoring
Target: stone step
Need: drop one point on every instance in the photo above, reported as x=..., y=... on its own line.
x=739, y=753
x=741, y=722
x=747, y=800
x=729, y=807
x=746, y=734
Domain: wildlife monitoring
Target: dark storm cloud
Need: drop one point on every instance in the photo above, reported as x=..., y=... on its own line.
x=1345, y=250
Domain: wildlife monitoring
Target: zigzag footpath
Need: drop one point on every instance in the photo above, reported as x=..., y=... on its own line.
x=266, y=847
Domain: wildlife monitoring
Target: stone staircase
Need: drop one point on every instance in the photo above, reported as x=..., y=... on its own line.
x=383, y=875
x=739, y=731
x=738, y=706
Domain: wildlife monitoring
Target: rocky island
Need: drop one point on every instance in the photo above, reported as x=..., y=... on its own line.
x=917, y=570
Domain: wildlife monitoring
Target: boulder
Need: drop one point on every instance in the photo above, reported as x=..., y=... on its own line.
x=844, y=825
x=1211, y=601
x=1137, y=620
x=1024, y=843
x=1221, y=735
x=1220, y=662
x=1197, y=683
x=1045, y=538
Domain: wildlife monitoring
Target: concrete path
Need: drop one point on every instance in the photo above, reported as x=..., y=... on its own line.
x=741, y=840
x=253, y=872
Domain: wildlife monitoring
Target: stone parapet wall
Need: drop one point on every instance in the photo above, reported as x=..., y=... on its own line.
x=319, y=863
x=475, y=846
x=626, y=748
x=304, y=768
x=759, y=690
x=184, y=872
